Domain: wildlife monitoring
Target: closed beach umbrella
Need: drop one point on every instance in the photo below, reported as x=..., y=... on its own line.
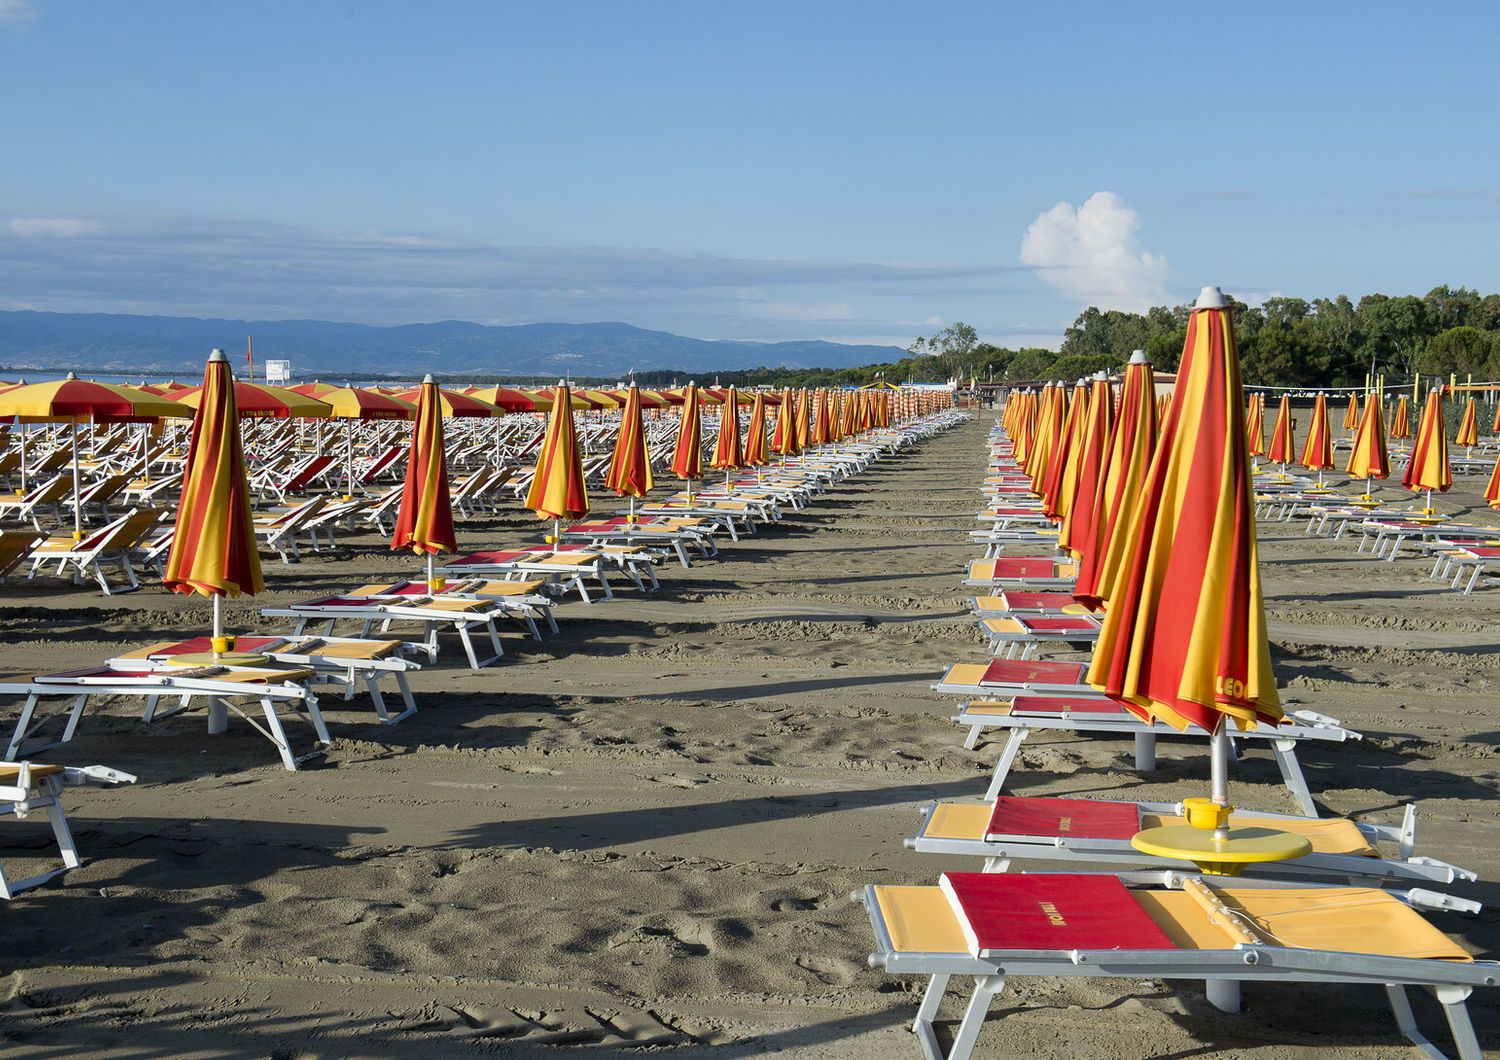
x=557, y=489
x=1427, y=466
x=213, y=547
x=687, y=458
x=1317, y=451
x=630, y=467
x=1061, y=479
x=1492, y=488
x=1401, y=420
x=425, y=522
x=1255, y=425
x=802, y=421
x=1132, y=444
x=1351, y=414
x=755, y=433
x=1283, y=436
x=1184, y=639
x=1077, y=530
x=1468, y=427
x=1368, y=458
x=728, y=453
x=784, y=440
x=822, y=422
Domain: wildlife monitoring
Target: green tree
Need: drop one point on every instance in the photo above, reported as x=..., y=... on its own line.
x=1461, y=350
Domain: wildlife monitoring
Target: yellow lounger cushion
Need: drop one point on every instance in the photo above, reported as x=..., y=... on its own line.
x=965, y=673
x=1330, y=835
x=959, y=820
x=9, y=770
x=920, y=920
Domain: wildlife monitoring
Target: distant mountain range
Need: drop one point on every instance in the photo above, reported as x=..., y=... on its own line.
x=114, y=343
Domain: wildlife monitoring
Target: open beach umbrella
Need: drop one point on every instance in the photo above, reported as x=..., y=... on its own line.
x=1132, y=444
x=1317, y=451
x=1368, y=458
x=755, y=433
x=1283, y=436
x=258, y=401
x=213, y=546
x=729, y=454
x=558, y=491
x=687, y=458
x=544, y=399
x=425, y=522
x=77, y=401
x=353, y=403
x=1184, y=639
x=452, y=403
x=630, y=468
x=1427, y=466
x=1468, y=427
x=507, y=399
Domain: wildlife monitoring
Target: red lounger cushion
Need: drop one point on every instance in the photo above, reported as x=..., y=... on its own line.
x=1064, y=818
x=1062, y=911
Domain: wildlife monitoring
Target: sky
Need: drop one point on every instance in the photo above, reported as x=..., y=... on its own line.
x=857, y=172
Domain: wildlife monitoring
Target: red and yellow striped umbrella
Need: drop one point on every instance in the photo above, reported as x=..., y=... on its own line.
x=1077, y=531
x=1368, y=458
x=357, y=403
x=1468, y=427
x=1351, y=414
x=729, y=454
x=255, y=400
x=802, y=421
x=1401, y=420
x=755, y=433
x=505, y=398
x=1427, y=467
x=1131, y=447
x=1492, y=488
x=687, y=458
x=453, y=402
x=213, y=548
x=1061, y=477
x=630, y=467
x=1283, y=436
x=1184, y=639
x=1051, y=415
x=557, y=488
x=1255, y=425
x=822, y=421
x=424, y=524
x=1317, y=451
x=784, y=440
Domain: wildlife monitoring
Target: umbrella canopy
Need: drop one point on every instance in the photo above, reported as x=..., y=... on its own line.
x=1184, y=639
x=1317, y=452
x=1060, y=482
x=213, y=549
x=649, y=399
x=802, y=421
x=257, y=400
x=1284, y=435
x=1427, y=467
x=450, y=403
x=728, y=453
x=822, y=420
x=1351, y=414
x=1077, y=529
x=1492, y=488
x=1401, y=420
x=557, y=489
x=1368, y=457
x=687, y=458
x=353, y=403
x=506, y=398
x=1468, y=426
x=630, y=467
x=755, y=433
x=784, y=439
x=602, y=399
x=544, y=399
x=1131, y=446
x=83, y=399
x=1255, y=425
x=425, y=523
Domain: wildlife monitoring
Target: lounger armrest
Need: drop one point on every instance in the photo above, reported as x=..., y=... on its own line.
x=97, y=775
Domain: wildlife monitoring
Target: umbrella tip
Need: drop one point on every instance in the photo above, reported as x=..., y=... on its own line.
x=217, y=354
x=1139, y=357
x=428, y=379
x=1211, y=298
x=72, y=375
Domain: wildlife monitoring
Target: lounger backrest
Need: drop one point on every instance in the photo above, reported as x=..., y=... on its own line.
x=14, y=547
x=309, y=472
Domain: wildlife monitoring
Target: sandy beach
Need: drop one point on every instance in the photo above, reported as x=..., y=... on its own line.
x=643, y=832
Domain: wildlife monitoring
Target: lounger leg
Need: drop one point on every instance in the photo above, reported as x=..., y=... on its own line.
x=1453, y=999
x=1007, y=759
x=1223, y=994
x=489, y=627
x=932, y=999
x=1145, y=752
x=406, y=697
x=551, y=619
x=985, y=988
x=277, y=733
x=74, y=715
x=23, y=725
x=1291, y=772
x=60, y=829
x=218, y=716
x=372, y=683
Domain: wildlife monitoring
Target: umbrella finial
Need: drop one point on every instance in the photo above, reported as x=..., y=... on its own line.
x=72, y=375
x=1211, y=298
x=1139, y=357
x=216, y=354
x=428, y=379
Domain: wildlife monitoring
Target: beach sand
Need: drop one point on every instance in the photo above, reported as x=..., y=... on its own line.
x=643, y=833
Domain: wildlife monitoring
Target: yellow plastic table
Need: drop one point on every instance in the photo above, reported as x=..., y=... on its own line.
x=208, y=658
x=1224, y=857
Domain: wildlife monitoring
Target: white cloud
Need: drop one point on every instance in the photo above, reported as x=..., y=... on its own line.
x=16, y=11
x=1092, y=254
x=933, y=321
x=52, y=227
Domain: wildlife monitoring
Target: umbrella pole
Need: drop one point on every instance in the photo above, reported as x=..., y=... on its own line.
x=1367, y=487
x=1428, y=512
x=556, y=532
x=1220, y=749
x=24, y=432
x=349, y=457
x=431, y=575
x=78, y=503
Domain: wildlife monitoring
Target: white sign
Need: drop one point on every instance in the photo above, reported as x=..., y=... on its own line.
x=279, y=372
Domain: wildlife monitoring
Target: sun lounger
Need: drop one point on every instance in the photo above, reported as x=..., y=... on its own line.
x=1016, y=636
x=995, y=926
x=524, y=601
x=1027, y=696
x=432, y=613
x=1089, y=830
x=679, y=535
x=568, y=566
x=1022, y=602
x=270, y=685
x=344, y=661
x=1035, y=572
x=28, y=788
x=113, y=544
x=49, y=496
x=302, y=476
x=15, y=548
x=279, y=531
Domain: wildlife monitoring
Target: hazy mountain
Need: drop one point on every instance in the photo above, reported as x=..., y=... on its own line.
x=104, y=342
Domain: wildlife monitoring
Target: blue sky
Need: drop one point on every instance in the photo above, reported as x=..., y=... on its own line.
x=855, y=172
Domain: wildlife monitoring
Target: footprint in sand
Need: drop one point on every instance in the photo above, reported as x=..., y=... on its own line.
x=830, y=971
x=677, y=780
